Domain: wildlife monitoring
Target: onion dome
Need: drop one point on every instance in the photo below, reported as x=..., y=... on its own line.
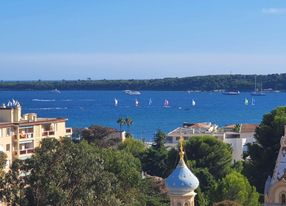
x=181, y=180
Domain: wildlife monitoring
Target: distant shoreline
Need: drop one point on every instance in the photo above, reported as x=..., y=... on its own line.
x=237, y=82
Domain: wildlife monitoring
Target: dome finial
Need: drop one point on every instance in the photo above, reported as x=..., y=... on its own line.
x=182, y=153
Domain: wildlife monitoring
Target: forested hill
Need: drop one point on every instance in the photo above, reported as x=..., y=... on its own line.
x=203, y=83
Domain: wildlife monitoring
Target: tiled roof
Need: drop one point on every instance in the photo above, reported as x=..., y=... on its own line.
x=248, y=128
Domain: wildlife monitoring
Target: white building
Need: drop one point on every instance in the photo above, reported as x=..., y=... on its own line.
x=191, y=129
x=239, y=140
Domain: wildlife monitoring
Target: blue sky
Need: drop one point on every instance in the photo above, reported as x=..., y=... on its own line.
x=113, y=39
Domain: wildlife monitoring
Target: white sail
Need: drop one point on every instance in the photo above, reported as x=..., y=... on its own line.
x=252, y=101
x=115, y=102
x=246, y=101
x=136, y=102
x=150, y=101
x=166, y=103
x=193, y=103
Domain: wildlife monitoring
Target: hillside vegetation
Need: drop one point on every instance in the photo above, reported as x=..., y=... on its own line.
x=203, y=83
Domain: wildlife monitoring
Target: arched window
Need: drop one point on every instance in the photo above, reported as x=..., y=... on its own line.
x=283, y=199
x=187, y=204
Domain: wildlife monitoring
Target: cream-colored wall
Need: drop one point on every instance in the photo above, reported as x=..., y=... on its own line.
x=4, y=140
x=275, y=192
x=6, y=115
x=183, y=200
x=17, y=114
x=60, y=129
x=37, y=135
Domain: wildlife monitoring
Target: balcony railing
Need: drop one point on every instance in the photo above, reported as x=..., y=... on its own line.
x=26, y=136
x=25, y=151
x=48, y=133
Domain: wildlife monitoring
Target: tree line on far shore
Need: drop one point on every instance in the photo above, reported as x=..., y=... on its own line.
x=202, y=83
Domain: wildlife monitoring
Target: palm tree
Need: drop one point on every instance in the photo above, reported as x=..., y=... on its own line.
x=128, y=122
x=121, y=121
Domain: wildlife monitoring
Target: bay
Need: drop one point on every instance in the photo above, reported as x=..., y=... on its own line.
x=84, y=108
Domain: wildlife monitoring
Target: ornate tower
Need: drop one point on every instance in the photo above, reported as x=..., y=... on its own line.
x=182, y=183
x=275, y=187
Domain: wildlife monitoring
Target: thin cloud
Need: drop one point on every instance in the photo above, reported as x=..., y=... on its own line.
x=274, y=10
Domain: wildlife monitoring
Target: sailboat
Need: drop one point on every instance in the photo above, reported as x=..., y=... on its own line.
x=256, y=92
x=193, y=103
x=56, y=91
x=252, y=101
x=246, y=102
x=115, y=102
x=166, y=103
x=150, y=102
x=136, y=103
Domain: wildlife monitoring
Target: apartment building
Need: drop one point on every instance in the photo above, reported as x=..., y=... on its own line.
x=21, y=134
x=188, y=130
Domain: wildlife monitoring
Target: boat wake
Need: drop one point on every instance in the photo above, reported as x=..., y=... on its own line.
x=43, y=100
x=49, y=108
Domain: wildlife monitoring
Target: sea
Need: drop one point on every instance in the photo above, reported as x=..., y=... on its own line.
x=85, y=108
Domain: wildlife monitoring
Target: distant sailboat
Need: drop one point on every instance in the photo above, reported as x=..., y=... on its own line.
x=256, y=91
x=193, y=103
x=246, y=102
x=253, y=101
x=166, y=103
x=56, y=91
x=115, y=102
x=150, y=102
x=136, y=103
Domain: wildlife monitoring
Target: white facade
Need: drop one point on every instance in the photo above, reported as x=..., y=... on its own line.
x=189, y=130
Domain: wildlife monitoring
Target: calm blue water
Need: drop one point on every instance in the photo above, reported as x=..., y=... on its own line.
x=84, y=108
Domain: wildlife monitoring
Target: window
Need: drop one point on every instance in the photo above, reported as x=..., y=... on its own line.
x=187, y=204
x=8, y=147
x=283, y=199
x=179, y=204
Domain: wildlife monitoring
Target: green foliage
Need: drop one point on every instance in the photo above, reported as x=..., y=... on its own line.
x=262, y=154
x=121, y=121
x=206, y=83
x=156, y=160
x=3, y=158
x=154, y=194
x=159, y=140
x=226, y=203
x=64, y=173
x=12, y=185
x=100, y=136
x=210, y=153
x=237, y=128
x=236, y=187
x=238, y=166
x=207, y=183
x=133, y=146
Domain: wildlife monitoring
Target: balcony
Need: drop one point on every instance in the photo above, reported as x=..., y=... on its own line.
x=24, y=136
x=25, y=151
x=48, y=133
